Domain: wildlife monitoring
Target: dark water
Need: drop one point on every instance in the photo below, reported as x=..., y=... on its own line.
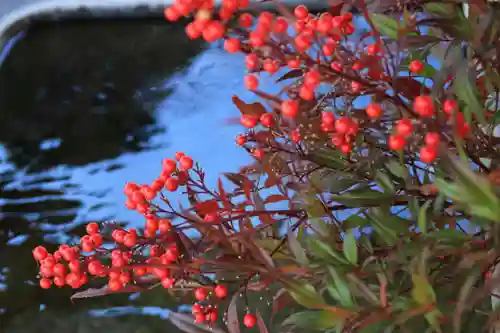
x=84, y=107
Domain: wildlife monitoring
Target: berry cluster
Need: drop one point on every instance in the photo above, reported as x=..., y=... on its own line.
x=135, y=259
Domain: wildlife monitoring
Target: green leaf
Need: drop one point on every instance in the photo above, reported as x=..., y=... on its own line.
x=350, y=248
x=397, y=169
x=298, y=251
x=449, y=236
x=355, y=221
x=385, y=182
x=385, y=25
x=325, y=251
x=339, y=289
x=304, y=294
x=467, y=92
x=471, y=191
x=437, y=9
x=363, y=197
x=422, y=217
x=422, y=291
x=329, y=158
x=317, y=320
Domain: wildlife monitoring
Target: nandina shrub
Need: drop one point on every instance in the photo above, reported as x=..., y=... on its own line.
x=373, y=203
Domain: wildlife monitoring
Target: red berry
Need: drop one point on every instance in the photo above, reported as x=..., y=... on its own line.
x=301, y=12
x=248, y=121
x=114, y=285
x=327, y=117
x=178, y=155
x=245, y=20
x=40, y=253
x=172, y=253
x=432, y=139
x=312, y=79
x=424, y=106
x=416, y=66
x=214, y=31
x=199, y=318
x=241, y=140
x=59, y=270
x=200, y=294
x=192, y=31
x=290, y=108
x=92, y=228
x=306, y=93
x=165, y=226
x=373, y=110
x=257, y=38
x=267, y=119
x=428, y=154
x=258, y=153
x=95, y=267
x=397, y=142
x=167, y=283
x=249, y=320
x=251, y=61
x=450, y=106
x=293, y=63
x=74, y=266
x=328, y=49
x=171, y=14
x=373, y=49
x=45, y=283
x=404, y=127
x=342, y=125
x=270, y=66
x=196, y=308
x=186, y=162
x=280, y=25
x=355, y=86
x=220, y=291
x=59, y=281
x=251, y=82
x=232, y=45
x=345, y=148
x=130, y=240
x=171, y=184
x=336, y=66
x=169, y=165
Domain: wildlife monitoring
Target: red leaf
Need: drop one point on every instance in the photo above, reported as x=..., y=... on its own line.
x=223, y=196
x=254, y=109
x=275, y=198
x=206, y=207
x=409, y=87
x=247, y=187
x=291, y=75
x=268, y=97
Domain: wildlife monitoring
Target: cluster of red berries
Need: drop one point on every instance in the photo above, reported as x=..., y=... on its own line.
x=424, y=107
x=134, y=256
x=345, y=130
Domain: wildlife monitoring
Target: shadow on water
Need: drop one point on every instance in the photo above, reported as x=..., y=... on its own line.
x=72, y=94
